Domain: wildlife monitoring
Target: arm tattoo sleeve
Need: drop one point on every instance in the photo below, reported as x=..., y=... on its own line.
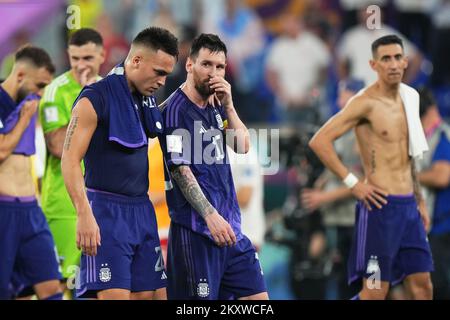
x=188, y=184
x=72, y=125
x=416, y=184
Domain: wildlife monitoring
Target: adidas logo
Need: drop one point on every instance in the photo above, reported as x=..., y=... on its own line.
x=163, y=276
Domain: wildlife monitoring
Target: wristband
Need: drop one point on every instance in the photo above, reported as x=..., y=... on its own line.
x=350, y=180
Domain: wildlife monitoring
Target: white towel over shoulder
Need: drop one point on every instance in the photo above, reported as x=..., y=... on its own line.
x=417, y=141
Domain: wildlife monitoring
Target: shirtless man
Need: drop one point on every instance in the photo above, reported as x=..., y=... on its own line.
x=26, y=246
x=390, y=242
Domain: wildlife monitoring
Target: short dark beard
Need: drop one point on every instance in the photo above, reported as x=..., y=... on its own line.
x=22, y=93
x=202, y=88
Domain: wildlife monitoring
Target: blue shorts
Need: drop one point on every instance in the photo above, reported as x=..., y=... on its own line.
x=389, y=243
x=27, y=250
x=198, y=269
x=130, y=253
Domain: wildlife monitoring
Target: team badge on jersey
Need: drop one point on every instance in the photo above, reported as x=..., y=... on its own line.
x=203, y=289
x=219, y=121
x=105, y=273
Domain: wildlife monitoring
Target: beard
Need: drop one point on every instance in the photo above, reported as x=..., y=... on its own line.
x=22, y=93
x=202, y=86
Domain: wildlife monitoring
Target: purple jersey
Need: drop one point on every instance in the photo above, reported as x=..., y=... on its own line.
x=9, y=116
x=195, y=136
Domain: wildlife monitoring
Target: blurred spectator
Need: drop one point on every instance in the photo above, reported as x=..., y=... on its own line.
x=350, y=10
x=249, y=185
x=354, y=51
x=115, y=45
x=435, y=176
x=296, y=64
x=414, y=21
x=441, y=45
x=90, y=11
x=335, y=200
x=20, y=38
x=241, y=29
x=178, y=76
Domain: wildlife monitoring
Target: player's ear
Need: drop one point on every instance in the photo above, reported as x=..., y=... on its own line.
x=135, y=61
x=405, y=61
x=21, y=74
x=102, y=55
x=189, y=64
x=372, y=63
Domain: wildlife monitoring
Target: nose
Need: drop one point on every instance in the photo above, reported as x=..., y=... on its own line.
x=161, y=81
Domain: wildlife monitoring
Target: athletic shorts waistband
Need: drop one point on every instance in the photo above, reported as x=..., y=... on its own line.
x=94, y=194
x=29, y=201
x=401, y=198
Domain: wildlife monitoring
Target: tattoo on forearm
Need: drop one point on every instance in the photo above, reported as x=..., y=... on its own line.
x=373, y=164
x=189, y=186
x=72, y=125
x=416, y=185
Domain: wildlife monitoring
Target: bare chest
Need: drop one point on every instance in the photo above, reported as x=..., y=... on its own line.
x=388, y=122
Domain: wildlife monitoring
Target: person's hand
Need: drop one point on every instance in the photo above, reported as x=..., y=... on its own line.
x=312, y=199
x=85, y=80
x=29, y=109
x=220, y=229
x=424, y=215
x=370, y=195
x=222, y=90
x=88, y=233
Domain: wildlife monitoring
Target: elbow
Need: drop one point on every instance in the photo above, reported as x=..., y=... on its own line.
x=314, y=144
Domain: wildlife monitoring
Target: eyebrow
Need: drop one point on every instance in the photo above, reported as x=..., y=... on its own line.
x=212, y=62
x=161, y=72
x=82, y=57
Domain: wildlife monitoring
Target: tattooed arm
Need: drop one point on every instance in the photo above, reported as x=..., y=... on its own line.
x=220, y=229
x=419, y=197
x=79, y=134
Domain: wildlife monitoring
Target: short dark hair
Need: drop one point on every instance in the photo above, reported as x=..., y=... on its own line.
x=38, y=57
x=426, y=100
x=208, y=41
x=84, y=36
x=383, y=41
x=156, y=39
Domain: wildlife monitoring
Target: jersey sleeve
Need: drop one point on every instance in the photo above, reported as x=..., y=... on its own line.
x=96, y=99
x=53, y=113
x=177, y=137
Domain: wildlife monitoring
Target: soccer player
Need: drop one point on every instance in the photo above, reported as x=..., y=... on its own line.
x=390, y=242
x=111, y=122
x=86, y=54
x=208, y=256
x=26, y=247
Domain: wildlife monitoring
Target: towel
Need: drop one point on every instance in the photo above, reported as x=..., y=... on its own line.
x=125, y=125
x=417, y=142
x=26, y=145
